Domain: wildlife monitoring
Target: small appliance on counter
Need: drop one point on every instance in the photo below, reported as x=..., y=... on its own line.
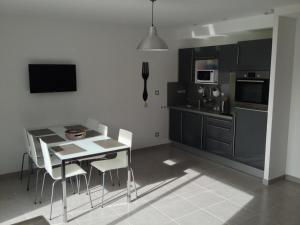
x=206, y=71
x=225, y=105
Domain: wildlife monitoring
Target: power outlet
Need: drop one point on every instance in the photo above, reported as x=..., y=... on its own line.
x=156, y=134
x=156, y=92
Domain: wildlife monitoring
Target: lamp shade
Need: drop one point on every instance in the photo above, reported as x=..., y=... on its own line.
x=152, y=42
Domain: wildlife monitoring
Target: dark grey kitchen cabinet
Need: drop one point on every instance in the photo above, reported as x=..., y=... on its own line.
x=218, y=136
x=210, y=52
x=227, y=58
x=186, y=65
x=254, y=55
x=175, y=125
x=192, y=125
x=250, y=140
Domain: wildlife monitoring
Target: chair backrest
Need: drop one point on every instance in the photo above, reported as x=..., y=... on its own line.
x=26, y=139
x=32, y=149
x=47, y=158
x=125, y=137
x=92, y=124
x=103, y=129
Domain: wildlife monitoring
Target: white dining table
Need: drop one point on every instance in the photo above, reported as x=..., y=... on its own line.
x=90, y=149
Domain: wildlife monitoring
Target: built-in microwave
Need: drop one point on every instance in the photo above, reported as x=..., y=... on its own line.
x=206, y=76
x=252, y=89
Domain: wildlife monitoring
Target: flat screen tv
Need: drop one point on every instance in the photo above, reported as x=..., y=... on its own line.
x=45, y=78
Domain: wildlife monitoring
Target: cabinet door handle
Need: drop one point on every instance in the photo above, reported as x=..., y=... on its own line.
x=234, y=134
x=250, y=81
x=238, y=55
x=202, y=131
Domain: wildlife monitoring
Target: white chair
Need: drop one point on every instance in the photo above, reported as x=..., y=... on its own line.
x=103, y=129
x=27, y=147
x=121, y=161
x=71, y=171
x=38, y=161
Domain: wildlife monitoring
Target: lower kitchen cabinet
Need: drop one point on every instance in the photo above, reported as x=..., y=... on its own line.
x=218, y=136
x=192, y=125
x=175, y=128
x=250, y=141
x=241, y=139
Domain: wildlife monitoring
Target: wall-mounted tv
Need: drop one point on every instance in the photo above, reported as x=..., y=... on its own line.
x=45, y=78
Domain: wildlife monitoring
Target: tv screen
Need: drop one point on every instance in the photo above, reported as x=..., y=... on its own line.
x=52, y=78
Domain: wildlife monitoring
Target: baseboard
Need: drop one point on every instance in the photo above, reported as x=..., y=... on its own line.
x=224, y=161
x=274, y=180
x=13, y=174
x=153, y=147
x=292, y=179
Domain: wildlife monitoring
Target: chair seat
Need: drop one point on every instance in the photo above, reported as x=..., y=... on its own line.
x=71, y=171
x=54, y=162
x=111, y=164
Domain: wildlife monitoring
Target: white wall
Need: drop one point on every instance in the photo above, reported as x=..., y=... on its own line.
x=109, y=81
x=293, y=154
x=280, y=97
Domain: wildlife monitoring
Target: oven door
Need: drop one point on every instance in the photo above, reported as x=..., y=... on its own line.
x=252, y=91
x=204, y=76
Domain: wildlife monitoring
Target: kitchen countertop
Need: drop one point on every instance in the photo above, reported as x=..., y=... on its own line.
x=202, y=111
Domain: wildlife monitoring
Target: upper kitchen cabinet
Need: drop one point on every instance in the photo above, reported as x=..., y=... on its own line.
x=210, y=52
x=254, y=55
x=185, y=65
x=227, y=58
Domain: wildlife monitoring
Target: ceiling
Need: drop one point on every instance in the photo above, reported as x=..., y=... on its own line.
x=138, y=12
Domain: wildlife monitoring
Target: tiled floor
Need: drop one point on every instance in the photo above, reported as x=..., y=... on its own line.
x=174, y=187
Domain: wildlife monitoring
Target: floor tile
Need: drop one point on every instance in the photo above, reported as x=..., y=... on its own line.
x=205, y=199
x=230, y=213
x=199, y=218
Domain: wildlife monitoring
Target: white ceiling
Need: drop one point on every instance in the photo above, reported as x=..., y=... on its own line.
x=137, y=12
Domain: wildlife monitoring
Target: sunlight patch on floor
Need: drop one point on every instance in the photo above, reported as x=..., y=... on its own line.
x=170, y=162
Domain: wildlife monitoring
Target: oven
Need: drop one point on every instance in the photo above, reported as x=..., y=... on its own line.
x=252, y=89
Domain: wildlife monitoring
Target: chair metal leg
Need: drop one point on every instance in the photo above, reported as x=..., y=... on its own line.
x=53, y=184
x=22, y=167
x=79, y=178
x=134, y=182
x=90, y=175
x=36, y=184
x=78, y=184
x=103, y=183
x=111, y=179
x=71, y=182
x=118, y=178
x=42, y=190
x=88, y=190
x=30, y=168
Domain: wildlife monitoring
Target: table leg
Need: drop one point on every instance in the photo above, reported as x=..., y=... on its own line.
x=64, y=192
x=128, y=176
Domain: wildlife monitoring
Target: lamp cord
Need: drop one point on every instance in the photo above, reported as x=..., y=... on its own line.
x=152, y=11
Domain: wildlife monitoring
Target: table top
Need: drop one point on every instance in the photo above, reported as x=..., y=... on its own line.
x=88, y=145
